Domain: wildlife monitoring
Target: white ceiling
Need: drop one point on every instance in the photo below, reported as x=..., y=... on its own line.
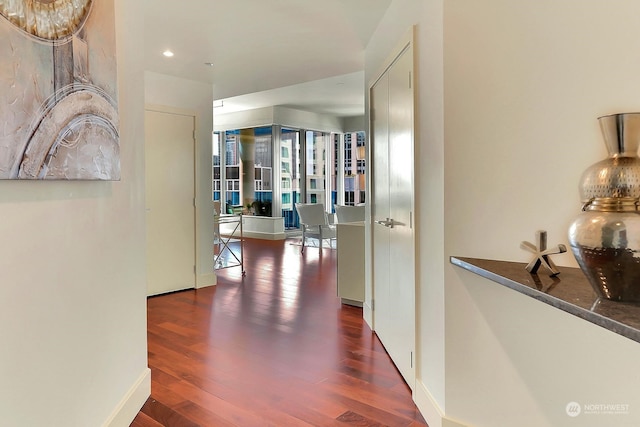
x=306, y=54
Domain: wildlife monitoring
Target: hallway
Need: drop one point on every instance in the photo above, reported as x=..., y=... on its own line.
x=275, y=348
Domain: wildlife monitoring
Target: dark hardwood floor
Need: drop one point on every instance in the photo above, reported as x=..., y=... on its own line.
x=275, y=348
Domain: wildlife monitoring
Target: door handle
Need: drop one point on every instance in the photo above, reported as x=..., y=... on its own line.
x=387, y=223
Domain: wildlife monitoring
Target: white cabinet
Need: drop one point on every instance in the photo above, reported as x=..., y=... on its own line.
x=351, y=262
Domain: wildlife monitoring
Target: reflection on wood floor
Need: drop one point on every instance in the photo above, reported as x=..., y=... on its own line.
x=275, y=348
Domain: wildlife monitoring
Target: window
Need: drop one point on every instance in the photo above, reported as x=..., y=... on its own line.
x=349, y=183
x=354, y=167
x=266, y=179
x=233, y=172
x=316, y=145
x=349, y=198
x=261, y=144
x=216, y=143
x=231, y=151
x=348, y=156
x=326, y=156
x=332, y=183
x=290, y=168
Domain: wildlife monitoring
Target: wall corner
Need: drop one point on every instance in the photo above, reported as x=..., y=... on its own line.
x=131, y=403
x=430, y=409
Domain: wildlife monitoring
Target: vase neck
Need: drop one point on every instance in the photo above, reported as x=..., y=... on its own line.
x=621, y=134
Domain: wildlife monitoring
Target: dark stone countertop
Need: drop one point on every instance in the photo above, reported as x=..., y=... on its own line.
x=569, y=291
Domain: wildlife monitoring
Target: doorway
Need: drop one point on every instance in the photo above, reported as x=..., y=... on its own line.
x=392, y=211
x=170, y=195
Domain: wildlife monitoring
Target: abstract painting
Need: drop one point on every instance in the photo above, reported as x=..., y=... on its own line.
x=58, y=90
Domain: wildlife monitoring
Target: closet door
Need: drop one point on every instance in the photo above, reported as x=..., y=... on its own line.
x=393, y=231
x=170, y=187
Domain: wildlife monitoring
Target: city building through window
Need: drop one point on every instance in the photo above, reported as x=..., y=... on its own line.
x=314, y=167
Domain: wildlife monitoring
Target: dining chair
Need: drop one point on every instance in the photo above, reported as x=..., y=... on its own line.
x=314, y=223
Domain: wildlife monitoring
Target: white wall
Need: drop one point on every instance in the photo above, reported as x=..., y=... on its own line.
x=353, y=124
x=287, y=117
x=429, y=140
x=72, y=293
x=524, y=84
x=244, y=119
x=508, y=96
x=194, y=96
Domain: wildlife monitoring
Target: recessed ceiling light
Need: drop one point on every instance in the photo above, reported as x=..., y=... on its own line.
x=167, y=53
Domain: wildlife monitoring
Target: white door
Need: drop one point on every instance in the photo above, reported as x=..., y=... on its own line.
x=169, y=173
x=393, y=235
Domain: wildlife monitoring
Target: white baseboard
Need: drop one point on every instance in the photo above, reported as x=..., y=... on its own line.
x=130, y=405
x=367, y=315
x=264, y=236
x=430, y=409
x=204, y=280
x=351, y=302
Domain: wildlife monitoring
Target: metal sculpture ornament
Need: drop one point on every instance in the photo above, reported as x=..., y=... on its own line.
x=58, y=90
x=542, y=254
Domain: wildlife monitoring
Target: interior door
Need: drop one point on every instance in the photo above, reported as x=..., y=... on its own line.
x=393, y=235
x=381, y=207
x=169, y=184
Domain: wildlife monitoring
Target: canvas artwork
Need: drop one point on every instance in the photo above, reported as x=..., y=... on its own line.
x=58, y=90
